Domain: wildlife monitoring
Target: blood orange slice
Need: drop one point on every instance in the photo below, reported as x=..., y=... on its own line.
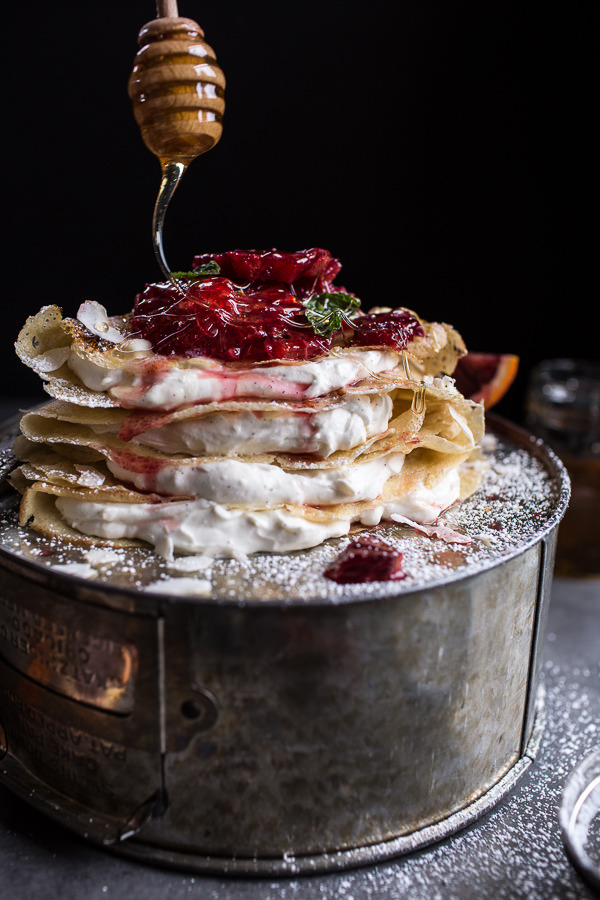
x=485, y=376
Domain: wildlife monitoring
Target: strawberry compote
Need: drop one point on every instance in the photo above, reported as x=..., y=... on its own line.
x=308, y=270
x=255, y=310
x=217, y=318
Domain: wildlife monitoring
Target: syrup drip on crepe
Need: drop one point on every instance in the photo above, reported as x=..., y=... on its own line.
x=418, y=401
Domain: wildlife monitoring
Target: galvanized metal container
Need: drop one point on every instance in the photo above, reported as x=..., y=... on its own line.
x=280, y=729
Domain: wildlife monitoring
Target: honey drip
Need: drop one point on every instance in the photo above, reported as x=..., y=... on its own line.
x=418, y=400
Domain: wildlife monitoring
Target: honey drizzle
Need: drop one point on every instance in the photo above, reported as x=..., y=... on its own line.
x=418, y=400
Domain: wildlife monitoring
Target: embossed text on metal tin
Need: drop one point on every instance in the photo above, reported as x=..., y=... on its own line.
x=83, y=666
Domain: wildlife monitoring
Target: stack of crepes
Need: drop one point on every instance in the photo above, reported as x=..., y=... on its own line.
x=205, y=454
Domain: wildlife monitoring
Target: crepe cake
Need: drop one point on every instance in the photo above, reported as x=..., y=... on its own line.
x=252, y=405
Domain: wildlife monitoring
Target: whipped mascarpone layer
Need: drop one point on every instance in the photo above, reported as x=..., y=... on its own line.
x=262, y=485
x=171, y=384
x=194, y=526
x=350, y=423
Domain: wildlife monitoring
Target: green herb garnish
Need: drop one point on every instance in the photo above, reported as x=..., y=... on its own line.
x=326, y=312
x=209, y=268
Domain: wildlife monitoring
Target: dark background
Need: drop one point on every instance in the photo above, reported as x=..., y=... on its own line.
x=441, y=150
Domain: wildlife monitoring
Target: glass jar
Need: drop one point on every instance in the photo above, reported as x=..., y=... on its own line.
x=563, y=408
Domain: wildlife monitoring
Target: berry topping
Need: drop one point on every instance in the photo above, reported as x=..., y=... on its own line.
x=262, y=306
x=273, y=265
x=366, y=559
x=215, y=318
x=389, y=329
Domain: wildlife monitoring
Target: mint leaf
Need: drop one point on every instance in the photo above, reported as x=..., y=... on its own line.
x=209, y=268
x=327, y=312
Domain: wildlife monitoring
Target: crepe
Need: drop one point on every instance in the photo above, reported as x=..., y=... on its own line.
x=123, y=372
x=197, y=455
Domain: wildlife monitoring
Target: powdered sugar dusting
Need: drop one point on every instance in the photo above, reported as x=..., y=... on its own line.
x=184, y=586
x=517, y=501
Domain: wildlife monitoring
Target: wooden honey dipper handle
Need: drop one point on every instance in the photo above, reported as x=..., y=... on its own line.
x=166, y=9
x=176, y=88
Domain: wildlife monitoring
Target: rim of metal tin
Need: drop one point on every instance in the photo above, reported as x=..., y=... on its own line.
x=520, y=437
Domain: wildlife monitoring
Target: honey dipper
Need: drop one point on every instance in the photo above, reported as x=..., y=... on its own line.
x=176, y=89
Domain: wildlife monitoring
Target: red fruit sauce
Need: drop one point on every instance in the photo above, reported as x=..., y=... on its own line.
x=216, y=318
x=368, y=558
x=302, y=269
x=253, y=310
x=392, y=329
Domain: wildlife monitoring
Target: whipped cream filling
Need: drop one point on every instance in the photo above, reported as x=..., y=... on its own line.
x=193, y=526
x=350, y=423
x=262, y=485
x=170, y=384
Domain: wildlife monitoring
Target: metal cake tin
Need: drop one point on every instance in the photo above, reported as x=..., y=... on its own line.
x=280, y=725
